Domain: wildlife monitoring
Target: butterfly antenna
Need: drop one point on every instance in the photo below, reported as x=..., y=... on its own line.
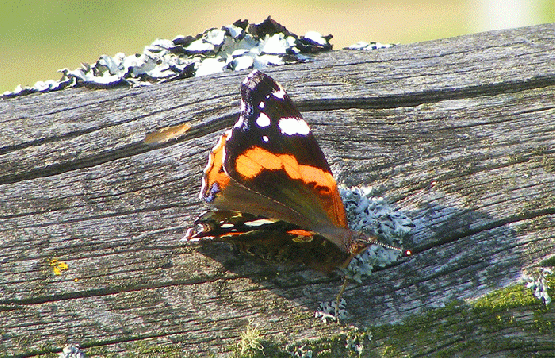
x=373, y=240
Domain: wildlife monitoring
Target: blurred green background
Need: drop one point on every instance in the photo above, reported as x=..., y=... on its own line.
x=37, y=37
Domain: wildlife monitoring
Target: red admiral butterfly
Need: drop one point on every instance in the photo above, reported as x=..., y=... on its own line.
x=272, y=187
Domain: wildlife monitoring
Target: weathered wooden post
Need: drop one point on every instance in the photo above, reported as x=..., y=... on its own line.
x=458, y=133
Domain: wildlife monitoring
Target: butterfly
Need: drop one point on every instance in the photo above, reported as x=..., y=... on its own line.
x=272, y=187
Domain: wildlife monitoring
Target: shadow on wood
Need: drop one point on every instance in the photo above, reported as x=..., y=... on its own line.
x=458, y=133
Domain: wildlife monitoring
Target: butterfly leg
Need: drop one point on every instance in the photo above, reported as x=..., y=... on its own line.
x=338, y=298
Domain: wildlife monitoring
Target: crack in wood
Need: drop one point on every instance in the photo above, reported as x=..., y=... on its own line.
x=492, y=225
x=415, y=99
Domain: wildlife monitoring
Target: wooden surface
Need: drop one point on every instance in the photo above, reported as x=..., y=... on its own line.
x=458, y=133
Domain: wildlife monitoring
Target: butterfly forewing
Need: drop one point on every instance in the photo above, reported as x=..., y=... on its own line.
x=272, y=150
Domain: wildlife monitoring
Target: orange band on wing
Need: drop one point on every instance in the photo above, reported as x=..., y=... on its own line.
x=253, y=161
x=214, y=173
x=300, y=232
x=301, y=235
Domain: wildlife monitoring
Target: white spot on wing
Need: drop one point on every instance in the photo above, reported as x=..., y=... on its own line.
x=240, y=122
x=263, y=120
x=249, y=77
x=265, y=139
x=223, y=149
x=292, y=126
x=279, y=94
x=260, y=222
x=261, y=105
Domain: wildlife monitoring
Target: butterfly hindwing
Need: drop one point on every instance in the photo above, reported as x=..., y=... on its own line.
x=271, y=240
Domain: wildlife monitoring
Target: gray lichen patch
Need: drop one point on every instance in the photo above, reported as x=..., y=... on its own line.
x=231, y=48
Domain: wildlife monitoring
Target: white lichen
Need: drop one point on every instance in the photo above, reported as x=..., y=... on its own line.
x=72, y=351
x=376, y=217
x=537, y=282
x=232, y=48
x=365, y=46
x=330, y=311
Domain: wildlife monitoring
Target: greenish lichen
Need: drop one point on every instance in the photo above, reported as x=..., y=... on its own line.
x=506, y=298
x=550, y=262
x=548, y=162
x=462, y=327
x=350, y=343
x=470, y=328
x=250, y=345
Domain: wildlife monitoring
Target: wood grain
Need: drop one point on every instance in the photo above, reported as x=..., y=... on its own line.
x=458, y=133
